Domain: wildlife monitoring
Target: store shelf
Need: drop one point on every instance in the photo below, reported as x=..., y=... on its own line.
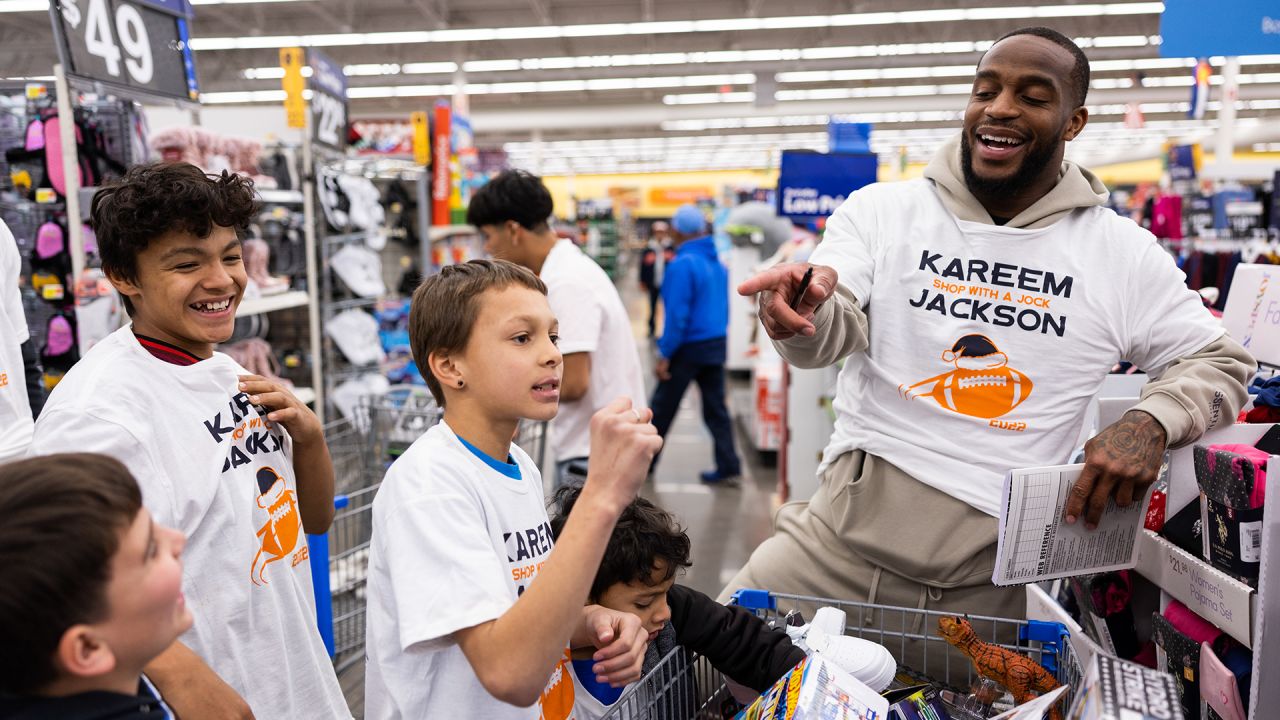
x=280, y=197
x=1209, y=592
x=305, y=394
x=271, y=303
x=443, y=232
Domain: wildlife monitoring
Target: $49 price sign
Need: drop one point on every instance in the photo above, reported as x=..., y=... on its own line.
x=127, y=43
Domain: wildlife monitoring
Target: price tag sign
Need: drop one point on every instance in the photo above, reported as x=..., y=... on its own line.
x=132, y=44
x=328, y=101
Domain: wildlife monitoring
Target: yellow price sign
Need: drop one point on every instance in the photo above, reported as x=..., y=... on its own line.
x=421, y=138
x=295, y=107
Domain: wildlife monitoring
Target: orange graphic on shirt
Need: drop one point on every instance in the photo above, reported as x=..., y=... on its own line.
x=982, y=385
x=557, y=698
x=279, y=535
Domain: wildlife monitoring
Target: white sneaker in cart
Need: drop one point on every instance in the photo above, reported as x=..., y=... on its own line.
x=867, y=661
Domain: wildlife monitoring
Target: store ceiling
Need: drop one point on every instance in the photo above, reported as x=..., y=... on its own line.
x=669, y=84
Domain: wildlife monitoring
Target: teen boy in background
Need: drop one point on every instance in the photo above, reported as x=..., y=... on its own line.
x=600, y=357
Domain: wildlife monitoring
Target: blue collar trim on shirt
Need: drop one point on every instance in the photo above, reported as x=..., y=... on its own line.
x=605, y=693
x=508, y=468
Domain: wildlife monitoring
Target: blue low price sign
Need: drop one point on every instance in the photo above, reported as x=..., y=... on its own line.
x=812, y=185
x=1193, y=28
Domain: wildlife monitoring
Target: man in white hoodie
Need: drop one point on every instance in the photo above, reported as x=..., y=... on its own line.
x=979, y=309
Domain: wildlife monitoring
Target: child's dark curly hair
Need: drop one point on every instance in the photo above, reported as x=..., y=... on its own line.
x=151, y=200
x=645, y=533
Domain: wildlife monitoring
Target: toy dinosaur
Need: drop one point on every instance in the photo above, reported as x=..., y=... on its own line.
x=1023, y=677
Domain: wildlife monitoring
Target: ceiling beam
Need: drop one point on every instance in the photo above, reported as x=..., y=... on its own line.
x=328, y=17
x=436, y=12
x=541, y=10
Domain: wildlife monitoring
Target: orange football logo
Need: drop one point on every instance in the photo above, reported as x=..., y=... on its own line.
x=982, y=385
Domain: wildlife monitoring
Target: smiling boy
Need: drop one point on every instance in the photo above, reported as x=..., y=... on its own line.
x=472, y=604
x=92, y=591
x=232, y=460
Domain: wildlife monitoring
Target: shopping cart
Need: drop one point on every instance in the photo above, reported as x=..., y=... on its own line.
x=685, y=686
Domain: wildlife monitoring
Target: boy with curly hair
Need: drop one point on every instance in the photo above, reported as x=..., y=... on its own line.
x=232, y=460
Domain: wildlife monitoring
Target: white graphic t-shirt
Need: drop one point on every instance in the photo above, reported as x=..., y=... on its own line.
x=592, y=320
x=15, y=409
x=456, y=540
x=987, y=342
x=208, y=466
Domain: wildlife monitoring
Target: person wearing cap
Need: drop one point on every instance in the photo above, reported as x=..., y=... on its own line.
x=695, y=300
x=657, y=253
x=601, y=362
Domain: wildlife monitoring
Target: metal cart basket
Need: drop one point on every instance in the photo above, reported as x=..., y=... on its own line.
x=685, y=686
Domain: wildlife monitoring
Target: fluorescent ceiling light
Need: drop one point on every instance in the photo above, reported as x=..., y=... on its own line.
x=502, y=88
x=244, y=96
x=742, y=56
x=672, y=27
x=429, y=68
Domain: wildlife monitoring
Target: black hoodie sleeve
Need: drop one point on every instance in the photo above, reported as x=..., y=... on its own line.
x=733, y=639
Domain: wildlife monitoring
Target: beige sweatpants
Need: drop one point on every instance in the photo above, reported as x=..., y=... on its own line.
x=873, y=534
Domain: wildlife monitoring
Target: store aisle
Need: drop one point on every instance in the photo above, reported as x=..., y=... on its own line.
x=724, y=524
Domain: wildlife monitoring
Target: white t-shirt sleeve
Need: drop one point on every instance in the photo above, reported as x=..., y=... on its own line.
x=66, y=431
x=442, y=570
x=10, y=295
x=847, y=246
x=580, y=314
x=1165, y=320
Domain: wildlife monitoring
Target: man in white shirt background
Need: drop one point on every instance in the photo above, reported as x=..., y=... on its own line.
x=601, y=362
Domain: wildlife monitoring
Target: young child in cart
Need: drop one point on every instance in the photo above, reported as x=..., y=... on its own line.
x=92, y=591
x=638, y=575
x=471, y=608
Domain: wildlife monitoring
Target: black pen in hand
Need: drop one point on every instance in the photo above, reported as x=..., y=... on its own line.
x=804, y=285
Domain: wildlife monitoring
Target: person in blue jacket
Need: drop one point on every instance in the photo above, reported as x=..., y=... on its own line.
x=695, y=295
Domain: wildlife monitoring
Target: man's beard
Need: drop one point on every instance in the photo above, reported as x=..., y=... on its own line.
x=1034, y=161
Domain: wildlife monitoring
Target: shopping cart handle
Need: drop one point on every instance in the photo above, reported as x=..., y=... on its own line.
x=1052, y=636
x=754, y=599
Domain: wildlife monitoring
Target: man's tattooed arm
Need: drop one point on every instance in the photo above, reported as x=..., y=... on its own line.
x=1122, y=462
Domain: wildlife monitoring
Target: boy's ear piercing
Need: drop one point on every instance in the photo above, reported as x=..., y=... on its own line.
x=460, y=383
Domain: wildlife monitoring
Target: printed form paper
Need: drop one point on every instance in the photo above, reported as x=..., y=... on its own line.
x=1035, y=543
